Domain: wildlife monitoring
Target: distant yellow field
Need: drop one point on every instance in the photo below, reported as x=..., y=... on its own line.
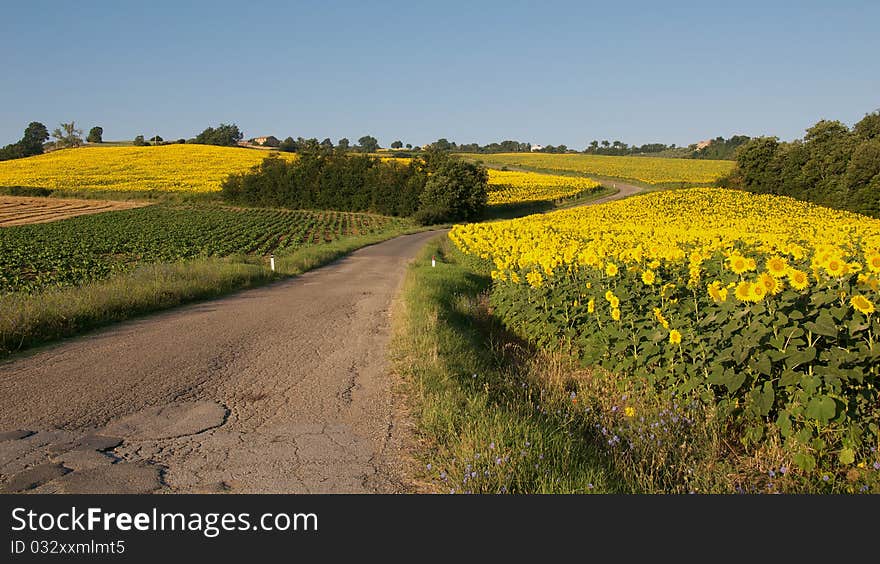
x=168, y=168
x=645, y=169
x=509, y=187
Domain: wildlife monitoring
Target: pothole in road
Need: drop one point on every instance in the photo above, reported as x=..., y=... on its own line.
x=169, y=421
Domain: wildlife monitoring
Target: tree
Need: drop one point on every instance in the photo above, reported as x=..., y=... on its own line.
x=397, y=145
x=227, y=135
x=156, y=139
x=30, y=144
x=869, y=126
x=139, y=141
x=288, y=145
x=326, y=143
x=67, y=136
x=96, y=135
x=368, y=144
x=409, y=145
x=343, y=144
x=605, y=143
x=455, y=190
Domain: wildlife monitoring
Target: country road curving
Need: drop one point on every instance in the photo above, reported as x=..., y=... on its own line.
x=280, y=389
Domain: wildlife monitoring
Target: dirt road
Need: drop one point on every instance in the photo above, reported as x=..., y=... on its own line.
x=623, y=190
x=277, y=389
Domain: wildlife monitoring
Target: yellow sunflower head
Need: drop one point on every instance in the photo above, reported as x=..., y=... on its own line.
x=611, y=269
x=862, y=304
x=798, y=279
x=648, y=277
x=591, y=306
x=770, y=283
x=777, y=266
x=743, y=291
x=615, y=314
x=758, y=292
x=674, y=337
x=873, y=260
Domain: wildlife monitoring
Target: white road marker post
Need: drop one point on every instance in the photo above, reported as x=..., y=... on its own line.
x=433, y=262
x=272, y=262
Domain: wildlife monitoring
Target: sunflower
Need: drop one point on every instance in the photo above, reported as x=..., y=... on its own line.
x=862, y=304
x=659, y=316
x=615, y=314
x=615, y=302
x=591, y=306
x=777, y=266
x=798, y=279
x=674, y=337
x=535, y=279
x=648, y=277
x=770, y=283
x=717, y=292
x=758, y=292
x=873, y=260
x=611, y=269
x=744, y=291
x=738, y=264
x=835, y=267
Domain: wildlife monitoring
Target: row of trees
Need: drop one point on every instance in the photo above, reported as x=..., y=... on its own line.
x=35, y=140
x=432, y=188
x=832, y=165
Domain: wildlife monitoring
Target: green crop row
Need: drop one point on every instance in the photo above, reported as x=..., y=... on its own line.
x=87, y=248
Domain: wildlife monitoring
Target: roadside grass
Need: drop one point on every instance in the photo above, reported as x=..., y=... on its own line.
x=30, y=320
x=496, y=415
x=487, y=421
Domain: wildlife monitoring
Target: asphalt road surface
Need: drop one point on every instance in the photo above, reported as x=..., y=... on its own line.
x=280, y=389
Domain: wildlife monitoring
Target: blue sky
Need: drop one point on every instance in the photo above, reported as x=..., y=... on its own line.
x=544, y=72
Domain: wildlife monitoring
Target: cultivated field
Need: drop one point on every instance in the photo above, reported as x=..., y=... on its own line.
x=754, y=313
x=649, y=170
x=509, y=187
x=167, y=168
x=22, y=210
x=78, y=250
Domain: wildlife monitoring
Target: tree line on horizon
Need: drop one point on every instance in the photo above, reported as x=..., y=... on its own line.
x=833, y=165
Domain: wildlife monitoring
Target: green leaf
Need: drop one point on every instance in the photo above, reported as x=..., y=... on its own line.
x=804, y=461
x=821, y=408
x=846, y=456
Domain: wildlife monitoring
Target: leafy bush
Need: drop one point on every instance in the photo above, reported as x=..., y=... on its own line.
x=456, y=190
x=227, y=135
x=327, y=180
x=438, y=188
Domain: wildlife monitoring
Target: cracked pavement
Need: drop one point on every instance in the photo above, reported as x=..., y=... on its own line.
x=279, y=389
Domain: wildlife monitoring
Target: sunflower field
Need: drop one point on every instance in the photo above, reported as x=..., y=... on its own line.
x=166, y=168
x=649, y=170
x=761, y=307
x=509, y=187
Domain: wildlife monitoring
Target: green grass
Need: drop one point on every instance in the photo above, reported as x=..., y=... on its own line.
x=487, y=420
x=30, y=320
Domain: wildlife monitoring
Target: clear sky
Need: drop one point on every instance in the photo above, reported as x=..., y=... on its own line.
x=543, y=72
